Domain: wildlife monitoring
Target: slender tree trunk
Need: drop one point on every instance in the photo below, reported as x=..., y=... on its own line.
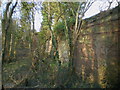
x=69, y=40
x=54, y=51
x=7, y=22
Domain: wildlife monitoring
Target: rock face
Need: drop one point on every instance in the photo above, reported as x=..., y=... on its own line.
x=48, y=45
x=97, y=52
x=63, y=51
x=96, y=55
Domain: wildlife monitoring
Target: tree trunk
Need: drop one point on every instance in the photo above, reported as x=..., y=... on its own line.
x=7, y=21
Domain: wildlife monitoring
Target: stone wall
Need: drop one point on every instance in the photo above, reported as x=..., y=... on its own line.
x=63, y=51
x=97, y=52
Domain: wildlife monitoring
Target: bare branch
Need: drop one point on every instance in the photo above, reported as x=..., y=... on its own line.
x=118, y=2
x=110, y=3
x=17, y=82
x=7, y=8
x=11, y=12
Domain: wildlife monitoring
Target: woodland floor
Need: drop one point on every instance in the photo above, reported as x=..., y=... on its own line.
x=19, y=74
x=15, y=71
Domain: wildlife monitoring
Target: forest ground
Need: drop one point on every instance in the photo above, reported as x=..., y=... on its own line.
x=19, y=73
